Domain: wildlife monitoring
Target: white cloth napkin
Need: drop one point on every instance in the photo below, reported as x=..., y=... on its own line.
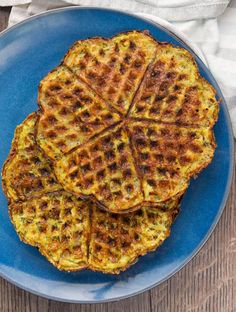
x=209, y=24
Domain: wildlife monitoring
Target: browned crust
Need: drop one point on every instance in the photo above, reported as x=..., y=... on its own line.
x=13, y=153
x=212, y=142
x=139, y=254
x=138, y=206
x=94, y=39
x=199, y=77
x=145, y=32
x=172, y=217
x=38, y=246
x=13, y=150
x=41, y=110
x=157, y=204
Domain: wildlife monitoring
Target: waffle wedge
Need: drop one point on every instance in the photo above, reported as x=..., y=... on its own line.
x=27, y=172
x=105, y=169
x=117, y=240
x=71, y=113
x=173, y=91
x=114, y=67
x=43, y=214
x=58, y=224
x=168, y=156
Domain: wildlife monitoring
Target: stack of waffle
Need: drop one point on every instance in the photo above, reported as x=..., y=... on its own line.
x=94, y=179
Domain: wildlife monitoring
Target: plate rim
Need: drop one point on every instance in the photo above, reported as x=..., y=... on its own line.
x=231, y=152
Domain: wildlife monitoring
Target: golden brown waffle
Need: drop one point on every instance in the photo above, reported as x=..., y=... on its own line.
x=168, y=155
x=105, y=169
x=58, y=224
x=71, y=113
x=167, y=95
x=172, y=91
x=73, y=233
x=117, y=240
x=27, y=172
x=113, y=67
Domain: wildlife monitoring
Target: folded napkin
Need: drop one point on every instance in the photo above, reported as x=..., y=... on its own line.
x=211, y=25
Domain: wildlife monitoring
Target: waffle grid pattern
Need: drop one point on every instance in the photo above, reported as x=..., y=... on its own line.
x=73, y=233
x=117, y=239
x=113, y=67
x=27, y=171
x=58, y=224
x=170, y=94
x=123, y=124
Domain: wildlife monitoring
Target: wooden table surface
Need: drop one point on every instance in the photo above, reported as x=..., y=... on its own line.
x=205, y=284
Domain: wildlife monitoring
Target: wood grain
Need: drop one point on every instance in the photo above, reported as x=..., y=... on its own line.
x=206, y=284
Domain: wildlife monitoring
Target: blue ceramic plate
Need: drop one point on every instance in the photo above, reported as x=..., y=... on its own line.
x=27, y=52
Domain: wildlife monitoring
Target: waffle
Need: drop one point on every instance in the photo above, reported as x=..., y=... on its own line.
x=71, y=113
x=105, y=169
x=118, y=239
x=168, y=95
x=94, y=179
x=113, y=67
x=58, y=224
x=27, y=171
x=172, y=91
x=168, y=155
x=75, y=234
